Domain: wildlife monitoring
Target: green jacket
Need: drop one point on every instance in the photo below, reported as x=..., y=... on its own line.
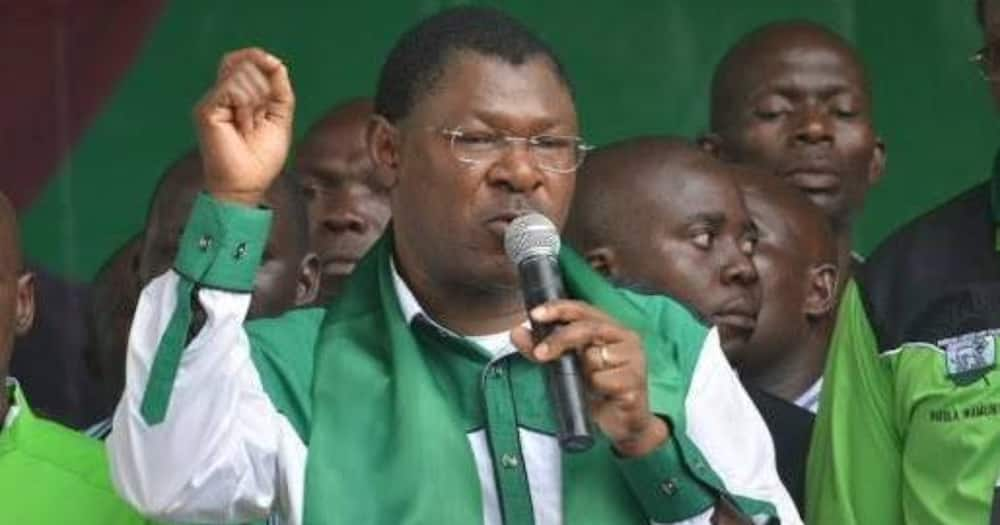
x=50, y=474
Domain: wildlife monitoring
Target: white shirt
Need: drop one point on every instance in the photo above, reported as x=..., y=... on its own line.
x=809, y=399
x=12, y=408
x=224, y=453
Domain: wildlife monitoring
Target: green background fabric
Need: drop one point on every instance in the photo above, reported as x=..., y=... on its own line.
x=641, y=66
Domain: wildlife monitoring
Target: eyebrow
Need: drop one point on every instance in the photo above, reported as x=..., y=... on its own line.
x=712, y=218
x=794, y=91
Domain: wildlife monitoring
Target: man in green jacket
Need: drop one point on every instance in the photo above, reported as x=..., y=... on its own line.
x=48, y=473
x=426, y=403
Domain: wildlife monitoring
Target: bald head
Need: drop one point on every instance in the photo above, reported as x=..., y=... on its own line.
x=348, y=206
x=796, y=260
x=745, y=66
x=659, y=214
x=615, y=176
x=338, y=136
x=779, y=210
x=793, y=99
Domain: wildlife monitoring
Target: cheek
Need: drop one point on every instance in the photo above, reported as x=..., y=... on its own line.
x=687, y=275
x=561, y=193
x=762, y=144
x=275, y=278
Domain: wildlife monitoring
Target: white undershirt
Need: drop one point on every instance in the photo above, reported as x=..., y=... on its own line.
x=809, y=399
x=13, y=409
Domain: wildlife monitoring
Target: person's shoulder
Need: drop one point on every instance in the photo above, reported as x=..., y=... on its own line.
x=935, y=233
x=57, y=451
x=943, y=247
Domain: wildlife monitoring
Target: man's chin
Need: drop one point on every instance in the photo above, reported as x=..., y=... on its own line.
x=734, y=342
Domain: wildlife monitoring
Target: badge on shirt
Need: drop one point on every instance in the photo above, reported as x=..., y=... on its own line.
x=969, y=357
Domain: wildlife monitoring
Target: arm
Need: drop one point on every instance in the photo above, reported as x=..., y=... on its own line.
x=195, y=437
x=690, y=469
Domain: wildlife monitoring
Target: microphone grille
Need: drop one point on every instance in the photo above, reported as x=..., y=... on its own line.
x=531, y=235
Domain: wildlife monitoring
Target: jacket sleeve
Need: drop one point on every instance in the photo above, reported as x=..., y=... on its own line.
x=196, y=438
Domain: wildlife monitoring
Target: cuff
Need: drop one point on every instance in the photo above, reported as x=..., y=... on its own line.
x=222, y=244
x=664, y=485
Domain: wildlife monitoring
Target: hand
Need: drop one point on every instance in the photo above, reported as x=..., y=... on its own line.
x=614, y=368
x=244, y=126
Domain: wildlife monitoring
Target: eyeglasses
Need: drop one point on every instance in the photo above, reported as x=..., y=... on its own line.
x=987, y=60
x=554, y=153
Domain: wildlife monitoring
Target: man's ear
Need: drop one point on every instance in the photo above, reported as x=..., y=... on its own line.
x=382, y=138
x=24, y=310
x=879, y=158
x=604, y=260
x=711, y=143
x=307, y=288
x=821, y=291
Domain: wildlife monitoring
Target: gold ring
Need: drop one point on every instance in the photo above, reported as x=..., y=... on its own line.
x=605, y=362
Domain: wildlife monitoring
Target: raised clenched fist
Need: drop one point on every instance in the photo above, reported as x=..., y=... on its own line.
x=244, y=126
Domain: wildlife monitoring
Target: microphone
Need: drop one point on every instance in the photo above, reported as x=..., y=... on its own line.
x=532, y=243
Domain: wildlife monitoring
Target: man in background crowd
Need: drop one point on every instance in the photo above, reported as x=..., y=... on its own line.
x=48, y=473
x=793, y=98
x=907, y=429
x=348, y=204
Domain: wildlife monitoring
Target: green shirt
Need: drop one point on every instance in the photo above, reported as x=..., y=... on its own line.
x=897, y=438
x=52, y=475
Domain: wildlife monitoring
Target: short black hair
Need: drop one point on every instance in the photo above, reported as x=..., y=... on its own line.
x=419, y=57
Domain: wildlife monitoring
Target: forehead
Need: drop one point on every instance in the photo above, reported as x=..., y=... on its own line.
x=497, y=92
x=809, y=67
x=774, y=221
x=693, y=191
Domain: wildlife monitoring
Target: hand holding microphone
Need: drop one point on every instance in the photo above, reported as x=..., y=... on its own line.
x=580, y=343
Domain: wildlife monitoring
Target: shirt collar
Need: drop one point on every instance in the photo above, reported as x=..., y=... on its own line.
x=496, y=344
x=10, y=389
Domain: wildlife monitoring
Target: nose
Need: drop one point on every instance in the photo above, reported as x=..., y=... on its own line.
x=340, y=214
x=813, y=126
x=737, y=267
x=516, y=171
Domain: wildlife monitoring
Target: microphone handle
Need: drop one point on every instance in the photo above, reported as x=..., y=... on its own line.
x=541, y=282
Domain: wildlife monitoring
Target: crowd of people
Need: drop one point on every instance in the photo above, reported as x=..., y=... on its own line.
x=332, y=332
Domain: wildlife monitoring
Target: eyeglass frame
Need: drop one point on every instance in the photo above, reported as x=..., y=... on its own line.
x=581, y=148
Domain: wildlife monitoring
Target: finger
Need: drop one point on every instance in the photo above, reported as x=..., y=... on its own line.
x=577, y=335
x=566, y=311
x=602, y=357
x=523, y=341
x=621, y=386
x=244, y=119
x=253, y=76
x=255, y=55
x=282, y=100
